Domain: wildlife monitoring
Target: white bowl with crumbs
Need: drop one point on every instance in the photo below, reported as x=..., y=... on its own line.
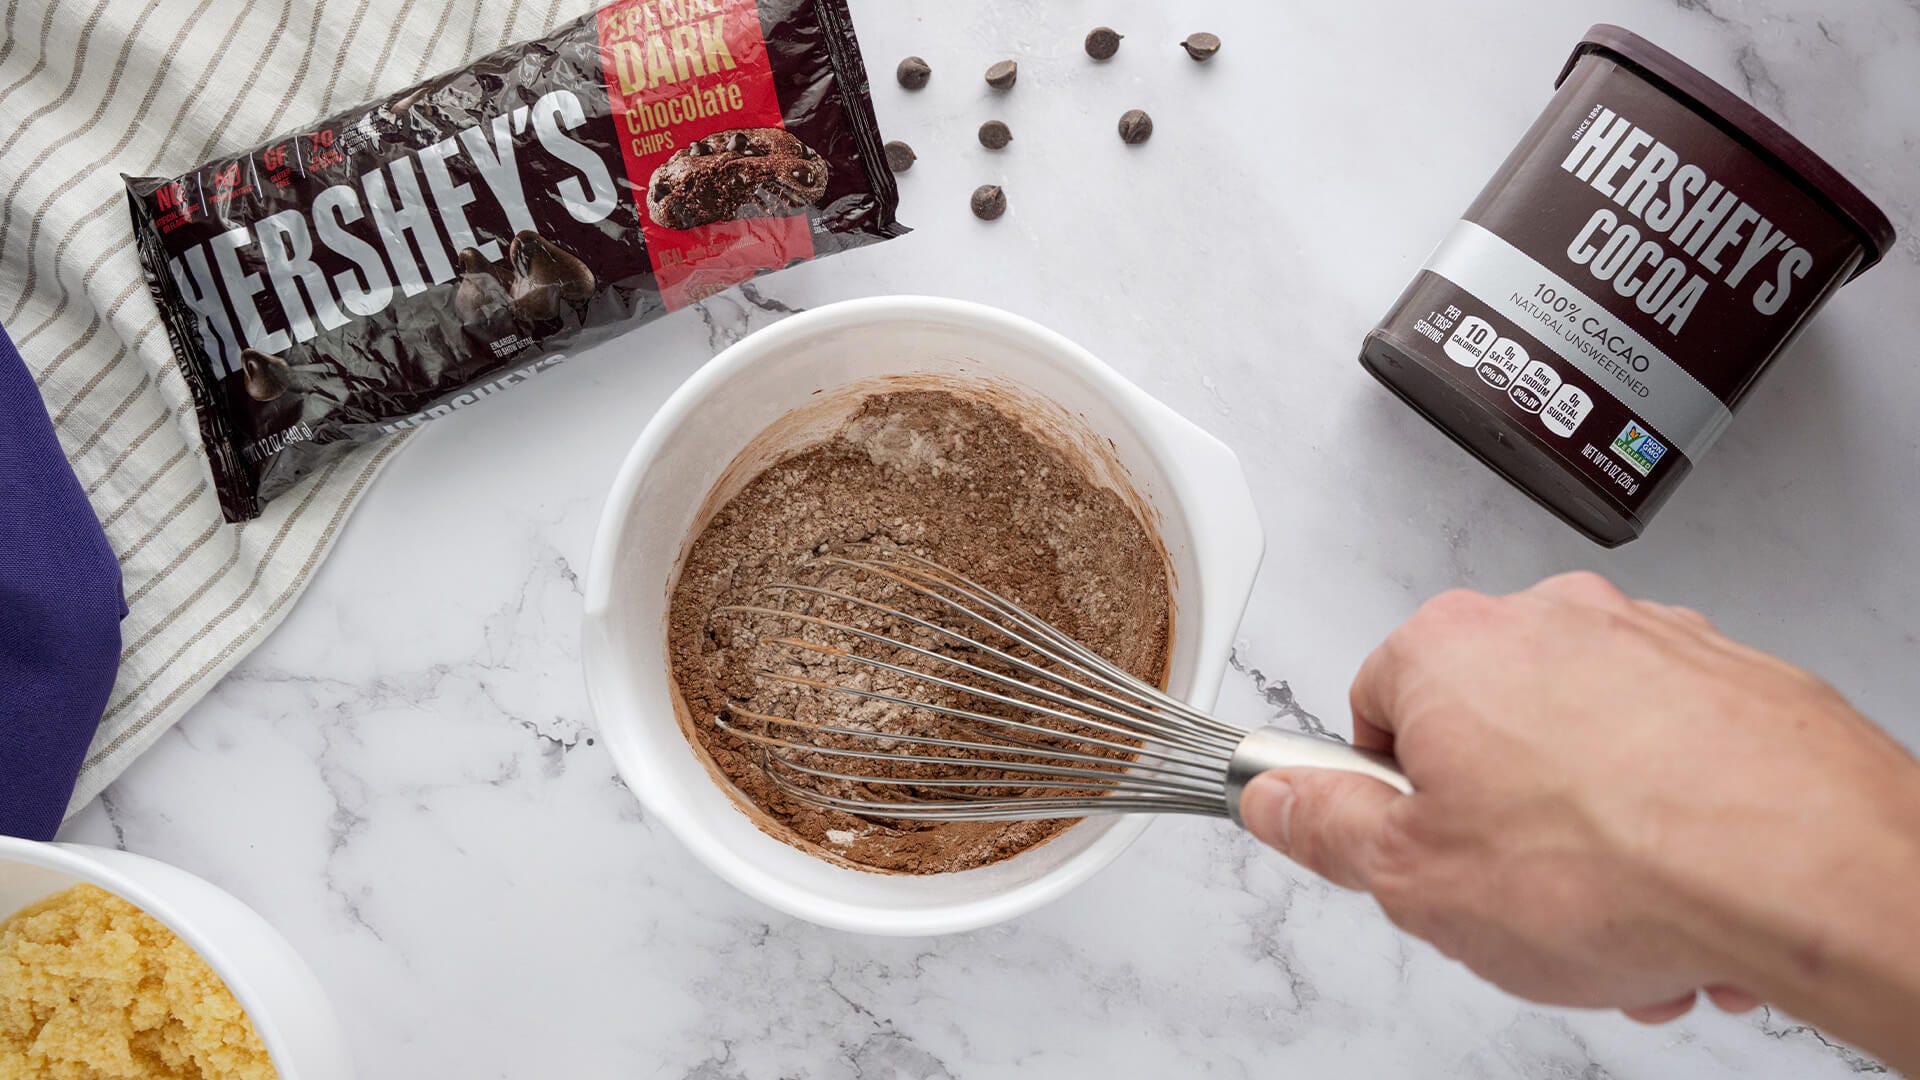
x=150, y=972
x=792, y=386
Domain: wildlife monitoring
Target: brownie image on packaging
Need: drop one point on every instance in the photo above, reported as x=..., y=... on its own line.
x=730, y=175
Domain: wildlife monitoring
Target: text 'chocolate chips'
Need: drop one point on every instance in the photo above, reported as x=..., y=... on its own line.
x=1135, y=127
x=913, y=73
x=1002, y=75
x=900, y=156
x=1103, y=42
x=989, y=202
x=1201, y=46
x=995, y=135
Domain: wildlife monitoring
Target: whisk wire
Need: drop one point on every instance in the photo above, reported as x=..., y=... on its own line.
x=1021, y=808
x=1028, y=631
x=1106, y=765
x=1090, y=715
x=1144, y=715
x=1052, y=777
x=1111, y=673
x=1054, y=730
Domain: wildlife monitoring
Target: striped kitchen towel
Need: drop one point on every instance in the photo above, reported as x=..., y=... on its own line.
x=91, y=89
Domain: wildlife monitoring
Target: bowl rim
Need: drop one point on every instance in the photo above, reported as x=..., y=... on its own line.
x=78, y=860
x=600, y=660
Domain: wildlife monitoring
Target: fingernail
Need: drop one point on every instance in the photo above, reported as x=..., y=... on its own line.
x=1267, y=808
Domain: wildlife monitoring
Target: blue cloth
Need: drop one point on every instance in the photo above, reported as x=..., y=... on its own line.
x=60, y=610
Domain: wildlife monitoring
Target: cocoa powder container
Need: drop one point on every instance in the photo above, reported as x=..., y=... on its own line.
x=1590, y=325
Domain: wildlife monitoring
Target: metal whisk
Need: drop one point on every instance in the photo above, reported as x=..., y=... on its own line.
x=1029, y=723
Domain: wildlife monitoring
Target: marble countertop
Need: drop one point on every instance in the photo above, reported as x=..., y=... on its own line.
x=405, y=777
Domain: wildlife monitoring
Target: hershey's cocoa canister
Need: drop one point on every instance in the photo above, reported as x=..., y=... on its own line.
x=1591, y=323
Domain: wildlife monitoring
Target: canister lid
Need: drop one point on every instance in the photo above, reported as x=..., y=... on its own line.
x=1736, y=117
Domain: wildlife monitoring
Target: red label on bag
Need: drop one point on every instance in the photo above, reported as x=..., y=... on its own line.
x=678, y=71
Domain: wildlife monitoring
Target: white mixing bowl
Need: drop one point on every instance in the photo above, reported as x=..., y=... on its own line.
x=271, y=982
x=800, y=377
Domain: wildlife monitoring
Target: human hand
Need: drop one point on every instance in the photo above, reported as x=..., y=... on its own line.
x=1615, y=806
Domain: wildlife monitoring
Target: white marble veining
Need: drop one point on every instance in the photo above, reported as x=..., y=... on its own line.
x=405, y=777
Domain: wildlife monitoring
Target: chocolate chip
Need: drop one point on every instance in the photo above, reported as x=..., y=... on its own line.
x=1135, y=127
x=994, y=135
x=265, y=376
x=699, y=149
x=660, y=190
x=1001, y=75
x=472, y=262
x=1201, y=46
x=483, y=286
x=913, y=73
x=739, y=143
x=801, y=175
x=1103, y=42
x=900, y=156
x=989, y=202
x=544, y=274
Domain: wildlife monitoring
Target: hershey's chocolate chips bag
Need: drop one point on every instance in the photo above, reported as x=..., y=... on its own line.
x=390, y=264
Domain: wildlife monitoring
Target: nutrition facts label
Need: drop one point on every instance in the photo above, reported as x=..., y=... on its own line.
x=1536, y=384
x=1473, y=340
x=1563, y=394
x=1533, y=385
x=1568, y=406
x=1502, y=364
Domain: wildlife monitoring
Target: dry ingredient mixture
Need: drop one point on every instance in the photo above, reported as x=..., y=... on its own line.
x=951, y=479
x=93, y=988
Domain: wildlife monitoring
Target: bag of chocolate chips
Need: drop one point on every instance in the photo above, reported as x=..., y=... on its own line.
x=394, y=262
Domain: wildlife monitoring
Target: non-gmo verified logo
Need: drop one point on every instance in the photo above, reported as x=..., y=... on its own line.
x=1639, y=447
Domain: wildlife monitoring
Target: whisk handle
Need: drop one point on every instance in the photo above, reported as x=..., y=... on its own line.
x=1275, y=748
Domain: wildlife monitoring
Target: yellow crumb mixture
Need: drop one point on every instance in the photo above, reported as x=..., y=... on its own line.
x=93, y=988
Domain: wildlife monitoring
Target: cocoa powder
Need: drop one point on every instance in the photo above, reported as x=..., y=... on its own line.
x=952, y=479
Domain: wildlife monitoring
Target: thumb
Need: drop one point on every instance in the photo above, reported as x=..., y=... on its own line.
x=1328, y=821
